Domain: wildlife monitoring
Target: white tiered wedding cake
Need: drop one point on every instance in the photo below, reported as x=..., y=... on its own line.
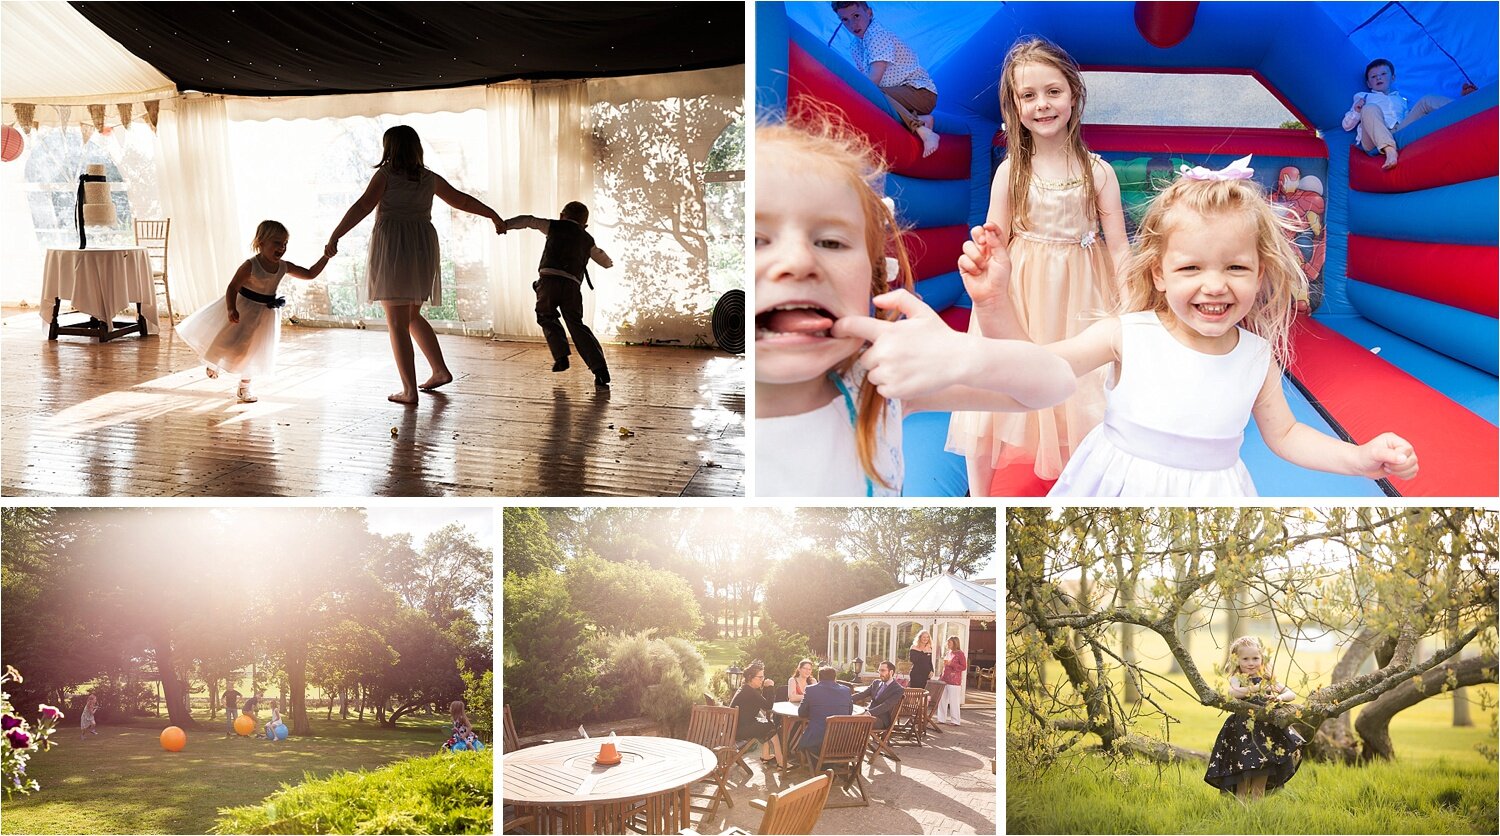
x=98, y=209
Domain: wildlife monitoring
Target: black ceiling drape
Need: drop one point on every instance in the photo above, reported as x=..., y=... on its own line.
x=304, y=49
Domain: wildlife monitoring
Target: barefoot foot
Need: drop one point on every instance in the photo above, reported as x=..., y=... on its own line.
x=1390, y=157
x=211, y=372
x=441, y=378
x=408, y=398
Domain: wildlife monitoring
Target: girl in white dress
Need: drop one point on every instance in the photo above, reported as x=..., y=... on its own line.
x=405, y=267
x=241, y=335
x=1211, y=291
x=828, y=414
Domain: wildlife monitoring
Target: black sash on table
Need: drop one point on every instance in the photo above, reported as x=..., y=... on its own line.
x=83, y=240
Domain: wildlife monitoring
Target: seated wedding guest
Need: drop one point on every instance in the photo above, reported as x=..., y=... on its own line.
x=798, y=684
x=825, y=699
x=884, y=696
x=752, y=702
x=921, y=659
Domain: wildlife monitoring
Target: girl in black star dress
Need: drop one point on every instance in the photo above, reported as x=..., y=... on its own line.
x=1251, y=757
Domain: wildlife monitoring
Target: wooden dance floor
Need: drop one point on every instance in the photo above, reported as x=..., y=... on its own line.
x=137, y=417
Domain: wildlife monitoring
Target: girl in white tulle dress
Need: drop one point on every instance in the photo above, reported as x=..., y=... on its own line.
x=1211, y=294
x=241, y=335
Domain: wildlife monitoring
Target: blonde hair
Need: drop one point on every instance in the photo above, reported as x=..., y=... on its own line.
x=823, y=138
x=1232, y=667
x=266, y=230
x=1271, y=313
x=916, y=640
x=1019, y=145
x=456, y=710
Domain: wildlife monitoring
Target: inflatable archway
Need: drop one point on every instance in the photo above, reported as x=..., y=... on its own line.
x=1404, y=337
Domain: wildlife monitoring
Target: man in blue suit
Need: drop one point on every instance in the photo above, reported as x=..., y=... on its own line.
x=824, y=699
x=884, y=696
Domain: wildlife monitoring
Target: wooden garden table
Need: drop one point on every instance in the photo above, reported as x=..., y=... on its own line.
x=570, y=793
x=791, y=720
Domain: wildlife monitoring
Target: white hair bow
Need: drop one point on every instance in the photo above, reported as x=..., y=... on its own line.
x=1238, y=170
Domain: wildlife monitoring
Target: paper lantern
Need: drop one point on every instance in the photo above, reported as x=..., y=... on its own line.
x=11, y=143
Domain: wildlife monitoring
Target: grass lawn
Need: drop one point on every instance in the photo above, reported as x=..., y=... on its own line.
x=1438, y=783
x=720, y=653
x=123, y=781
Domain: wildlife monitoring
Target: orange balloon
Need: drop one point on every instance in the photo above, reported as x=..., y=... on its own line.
x=173, y=739
x=244, y=725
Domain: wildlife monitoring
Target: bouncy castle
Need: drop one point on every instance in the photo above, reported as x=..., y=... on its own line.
x=1402, y=263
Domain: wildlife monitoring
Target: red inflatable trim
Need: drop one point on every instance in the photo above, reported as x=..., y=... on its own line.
x=1461, y=275
x=957, y=318
x=1456, y=449
x=812, y=85
x=1461, y=152
x=935, y=250
x=1182, y=140
x=1164, y=25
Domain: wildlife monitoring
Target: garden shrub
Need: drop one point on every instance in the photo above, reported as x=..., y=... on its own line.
x=779, y=649
x=658, y=678
x=447, y=793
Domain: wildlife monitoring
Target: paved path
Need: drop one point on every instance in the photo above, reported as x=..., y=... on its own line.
x=945, y=786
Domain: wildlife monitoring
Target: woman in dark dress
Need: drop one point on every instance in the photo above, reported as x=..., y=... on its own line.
x=921, y=659
x=1251, y=758
x=752, y=702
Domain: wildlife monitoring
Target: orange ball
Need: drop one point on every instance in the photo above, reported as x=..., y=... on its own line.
x=244, y=725
x=173, y=739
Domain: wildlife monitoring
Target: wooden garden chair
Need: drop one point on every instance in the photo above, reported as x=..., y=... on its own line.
x=911, y=718
x=985, y=674
x=793, y=810
x=935, y=688
x=712, y=727
x=842, y=751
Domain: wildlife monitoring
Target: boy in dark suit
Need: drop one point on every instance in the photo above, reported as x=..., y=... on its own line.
x=559, y=286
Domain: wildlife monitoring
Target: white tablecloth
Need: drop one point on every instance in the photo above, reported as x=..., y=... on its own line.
x=100, y=281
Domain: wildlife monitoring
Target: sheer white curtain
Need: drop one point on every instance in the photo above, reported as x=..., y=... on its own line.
x=540, y=158
x=198, y=194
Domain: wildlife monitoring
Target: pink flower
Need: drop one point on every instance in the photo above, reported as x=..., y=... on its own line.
x=18, y=739
x=51, y=712
x=8, y=722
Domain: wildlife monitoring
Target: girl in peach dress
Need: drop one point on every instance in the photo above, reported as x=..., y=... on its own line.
x=1051, y=195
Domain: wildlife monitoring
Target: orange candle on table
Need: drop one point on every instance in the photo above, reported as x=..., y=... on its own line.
x=607, y=753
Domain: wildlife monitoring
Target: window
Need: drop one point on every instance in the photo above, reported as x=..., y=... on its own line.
x=1182, y=99
x=879, y=644
x=307, y=172
x=58, y=155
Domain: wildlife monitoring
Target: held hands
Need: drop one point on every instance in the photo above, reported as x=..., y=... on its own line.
x=1387, y=454
x=499, y=225
x=331, y=249
x=909, y=358
x=985, y=265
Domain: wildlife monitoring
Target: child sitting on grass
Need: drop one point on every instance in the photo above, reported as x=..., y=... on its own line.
x=463, y=736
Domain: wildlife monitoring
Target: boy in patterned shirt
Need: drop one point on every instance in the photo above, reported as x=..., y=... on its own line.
x=893, y=66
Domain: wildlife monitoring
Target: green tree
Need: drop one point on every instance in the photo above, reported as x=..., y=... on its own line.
x=529, y=545
x=548, y=674
x=806, y=588
x=630, y=597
